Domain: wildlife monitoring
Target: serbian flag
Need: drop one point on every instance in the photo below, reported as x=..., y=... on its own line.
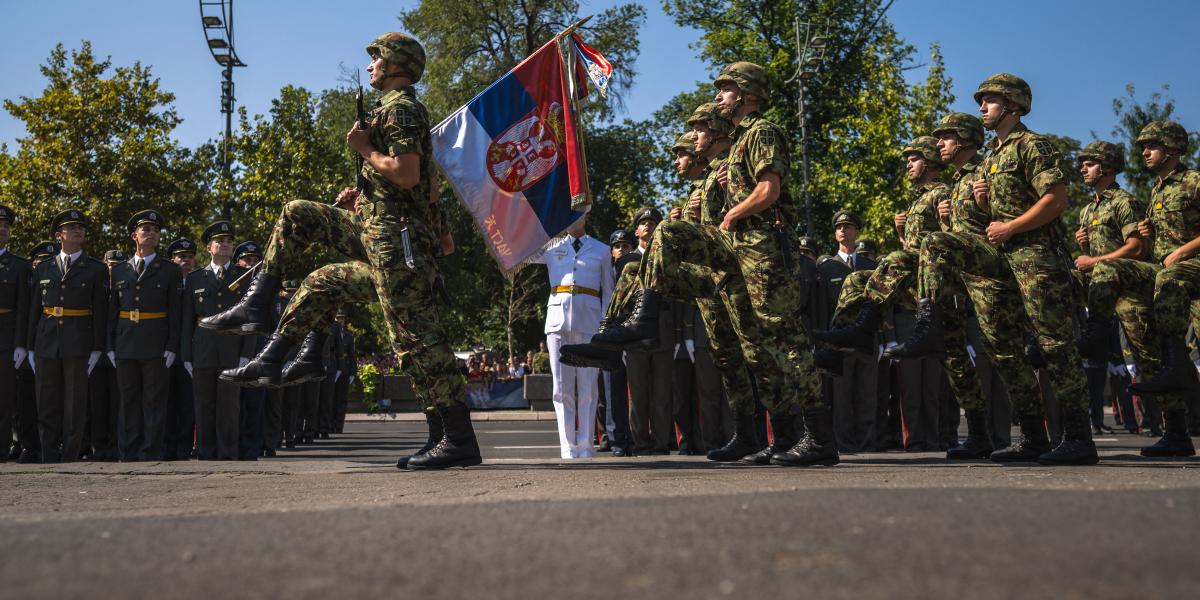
x=514, y=154
x=598, y=69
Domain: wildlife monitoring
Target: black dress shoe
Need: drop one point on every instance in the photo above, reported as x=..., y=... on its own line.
x=15, y=452
x=324, y=435
x=291, y=444
x=269, y=453
x=619, y=453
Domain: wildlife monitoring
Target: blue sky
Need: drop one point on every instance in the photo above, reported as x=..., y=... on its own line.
x=1077, y=56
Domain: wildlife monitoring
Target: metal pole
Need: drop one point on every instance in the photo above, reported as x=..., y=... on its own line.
x=227, y=210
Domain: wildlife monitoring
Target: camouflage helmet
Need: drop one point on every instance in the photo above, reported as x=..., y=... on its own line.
x=685, y=143
x=1105, y=153
x=1010, y=87
x=708, y=114
x=748, y=76
x=400, y=50
x=926, y=147
x=966, y=126
x=1168, y=133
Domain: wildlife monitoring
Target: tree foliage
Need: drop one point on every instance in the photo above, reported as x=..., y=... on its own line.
x=1132, y=115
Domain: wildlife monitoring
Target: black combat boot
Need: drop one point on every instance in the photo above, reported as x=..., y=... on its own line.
x=1093, y=340
x=979, y=440
x=433, y=420
x=817, y=447
x=309, y=365
x=642, y=323
x=1076, y=447
x=829, y=359
x=926, y=339
x=590, y=355
x=858, y=336
x=743, y=443
x=1027, y=448
x=265, y=369
x=1175, y=440
x=252, y=314
x=1177, y=374
x=458, y=446
x=607, y=324
x=783, y=428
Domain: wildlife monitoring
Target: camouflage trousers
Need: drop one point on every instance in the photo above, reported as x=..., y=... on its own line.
x=377, y=270
x=955, y=264
x=1151, y=301
x=689, y=261
x=892, y=280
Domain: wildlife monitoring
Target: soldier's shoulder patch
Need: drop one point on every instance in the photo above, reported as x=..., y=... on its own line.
x=1043, y=147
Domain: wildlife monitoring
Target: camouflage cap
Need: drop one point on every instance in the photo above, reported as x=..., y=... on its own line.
x=140, y=218
x=926, y=147
x=685, y=143
x=966, y=126
x=622, y=236
x=181, y=246
x=648, y=212
x=400, y=50
x=866, y=246
x=1009, y=86
x=1105, y=153
x=7, y=214
x=44, y=250
x=708, y=114
x=67, y=217
x=846, y=216
x=1168, y=133
x=749, y=77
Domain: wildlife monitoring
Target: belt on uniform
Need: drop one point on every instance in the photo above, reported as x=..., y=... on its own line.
x=137, y=315
x=5, y=311
x=58, y=311
x=575, y=289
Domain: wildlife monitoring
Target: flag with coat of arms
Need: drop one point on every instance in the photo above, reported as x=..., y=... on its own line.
x=515, y=155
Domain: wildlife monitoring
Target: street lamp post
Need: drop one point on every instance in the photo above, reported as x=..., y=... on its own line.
x=810, y=56
x=216, y=18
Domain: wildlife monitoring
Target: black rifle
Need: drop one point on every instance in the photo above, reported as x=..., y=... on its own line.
x=361, y=124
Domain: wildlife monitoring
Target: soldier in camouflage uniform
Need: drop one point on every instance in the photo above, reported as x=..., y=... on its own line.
x=389, y=237
x=869, y=293
x=1161, y=289
x=1024, y=192
x=1108, y=229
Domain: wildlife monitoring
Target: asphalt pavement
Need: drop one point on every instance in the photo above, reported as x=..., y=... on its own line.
x=337, y=519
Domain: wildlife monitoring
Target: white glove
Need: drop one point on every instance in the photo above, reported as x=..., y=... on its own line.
x=1133, y=370
x=19, y=355
x=112, y=357
x=337, y=375
x=971, y=354
x=352, y=378
x=32, y=365
x=243, y=361
x=691, y=349
x=93, y=358
x=168, y=358
x=187, y=366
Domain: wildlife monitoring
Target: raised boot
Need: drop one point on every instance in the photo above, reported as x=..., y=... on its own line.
x=308, y=365
x=642, y=323
x=1177, y=374
x=743, y=443
x=265, y=369
x=458, y=446
x=434, y=422
x=1076, y=447
x=978, y=443
x=817, y=447
x=1027, y=448
x=590, y=355
x=603, y=332
x=926, y=339
x=858, y=336
x=1093, y=340
x=783, y=428
x=252, y=313
x=1175, y=440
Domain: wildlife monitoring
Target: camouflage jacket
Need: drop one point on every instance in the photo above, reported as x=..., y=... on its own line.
x=399, y=124
x=694, y=187
x=1019, y=171
x=1110, y=219
x=1175, y=211
x=966, y=216
x=922, y=214
x=713, y=199
x=759, y=145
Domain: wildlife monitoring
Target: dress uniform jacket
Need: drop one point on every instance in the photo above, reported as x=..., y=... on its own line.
x=84, y=287
x=206, y=296
x=833, y=270
x=144, y=318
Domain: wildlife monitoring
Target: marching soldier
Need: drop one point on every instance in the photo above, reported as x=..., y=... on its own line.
x=205, y=353
x=180, y=427
x=14, y=304
x=143, y=338
x=66, y=336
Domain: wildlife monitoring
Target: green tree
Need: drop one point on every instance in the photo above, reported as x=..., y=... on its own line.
x=1132, y=115
x=98, y=139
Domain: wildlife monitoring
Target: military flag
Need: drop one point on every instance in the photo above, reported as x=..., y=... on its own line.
x=514, y=154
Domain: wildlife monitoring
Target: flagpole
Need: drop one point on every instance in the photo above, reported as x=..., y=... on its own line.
x=573, y=27
x=566, y=54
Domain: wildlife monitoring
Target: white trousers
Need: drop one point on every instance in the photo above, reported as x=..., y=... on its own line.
x=574, y=397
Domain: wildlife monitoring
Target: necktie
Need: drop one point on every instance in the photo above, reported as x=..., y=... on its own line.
x=577, y=244
x=850, y=261
x=138, y=265
x=66, y=263
x=220, y=272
